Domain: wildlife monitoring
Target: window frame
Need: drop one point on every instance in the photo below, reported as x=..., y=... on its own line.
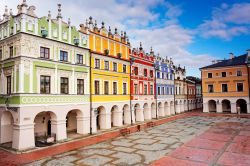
x=209, y=74
x=145, y=90
x=11, y=51
x=222, y=88
x=97, y=88
x=64, y=56
x=97, y=63
x=44, y=86
x=80, y=86
x=106, y=92
x=44, y=52
x=115, y=88
x=78, y=59
x=106, y=65
x=237, y=73
x=222, y=74
x=114, y=66
x=136, y=89
x=8, y=85
x=238, y=88
x=64, y=85
x=124, y=68
x=124, y=88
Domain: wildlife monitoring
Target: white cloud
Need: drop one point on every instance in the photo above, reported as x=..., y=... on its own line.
x=139, y=18
x=227, y=22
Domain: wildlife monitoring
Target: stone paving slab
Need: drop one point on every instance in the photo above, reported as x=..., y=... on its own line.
x=145, y=147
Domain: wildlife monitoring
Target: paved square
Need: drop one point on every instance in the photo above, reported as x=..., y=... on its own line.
x=194, y=140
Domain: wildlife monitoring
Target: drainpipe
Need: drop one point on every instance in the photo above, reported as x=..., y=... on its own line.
x=90, y=92
x=174, y=90
x=156, y=107
x=130, y=93
x=187, y=95
x=248, y=82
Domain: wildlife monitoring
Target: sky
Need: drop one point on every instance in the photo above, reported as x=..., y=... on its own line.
x=191, y=32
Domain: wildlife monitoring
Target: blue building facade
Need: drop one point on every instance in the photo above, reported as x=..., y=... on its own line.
x=164, y=85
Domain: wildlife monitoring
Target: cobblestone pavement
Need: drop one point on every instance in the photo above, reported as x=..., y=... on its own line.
x=140, y=148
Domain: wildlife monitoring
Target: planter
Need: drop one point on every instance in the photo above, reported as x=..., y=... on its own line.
x=44, y=33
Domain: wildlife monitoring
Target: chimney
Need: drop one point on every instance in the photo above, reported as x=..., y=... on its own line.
x=248, y=53
x=231, y=55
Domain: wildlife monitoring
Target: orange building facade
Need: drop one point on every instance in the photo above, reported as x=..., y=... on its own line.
x=225, y=86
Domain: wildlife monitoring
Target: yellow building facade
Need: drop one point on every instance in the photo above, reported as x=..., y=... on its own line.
x=225, y=86
x=110, y=76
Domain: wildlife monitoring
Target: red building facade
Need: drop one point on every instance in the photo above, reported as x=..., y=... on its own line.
x=143, y=84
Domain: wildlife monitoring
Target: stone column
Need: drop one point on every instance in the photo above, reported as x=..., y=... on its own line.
x=83, y=125
x=219, y=108
x=127, y=117
x=206, y=107
x=105, y=120
x=117, y=118
x=139, y=115
x=23, y=136
x=177, y=108
x=58, y=127
x=147, y=114
x=233, y=108
x=167, y=110
x=161, y=111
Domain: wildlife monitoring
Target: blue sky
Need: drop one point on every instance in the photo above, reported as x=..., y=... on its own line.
x=192, y=32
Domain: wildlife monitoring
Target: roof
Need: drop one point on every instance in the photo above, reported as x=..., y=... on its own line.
x=240, y=60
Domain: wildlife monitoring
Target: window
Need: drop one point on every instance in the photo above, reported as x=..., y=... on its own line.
x=239, y=73
x=145, y=73
x=145, y=89
x=106, y=65
x=97, y=63
x=223, y=74
x=151, y=73
x=224, y=88
x=209, y=75
x=11, y=51
x=63, y=56
x=1, y=54
x=97, y=87
x=124, y=69
x=115, y=88
x=64, y=85
x=45, y=84
x=159, y=91
x=180, y=91
x=136, y=89
x=124, y=88
x=240, y=87
x=167, y=90
x=79, y=59
x=162, y=90
x=176, y=90
x=44, y=52
x=114, y=66
x=158, y=75
x=106, y=87
x=136, y=70
x=162, y=75
x=8, y=85
x=151, y=89
x=80, y=86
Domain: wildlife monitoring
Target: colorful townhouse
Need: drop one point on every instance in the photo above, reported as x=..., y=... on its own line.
x=165, y=86
x=191, y=94
x=198, y=91
x=143, y=85
x=44, y=78
x=225, y=85
x=180, y=90
x=110, y=76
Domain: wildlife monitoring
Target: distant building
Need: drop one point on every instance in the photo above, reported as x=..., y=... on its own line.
x=225, y=85
x=180, y=90
x=165, y=86
x=143, y=85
